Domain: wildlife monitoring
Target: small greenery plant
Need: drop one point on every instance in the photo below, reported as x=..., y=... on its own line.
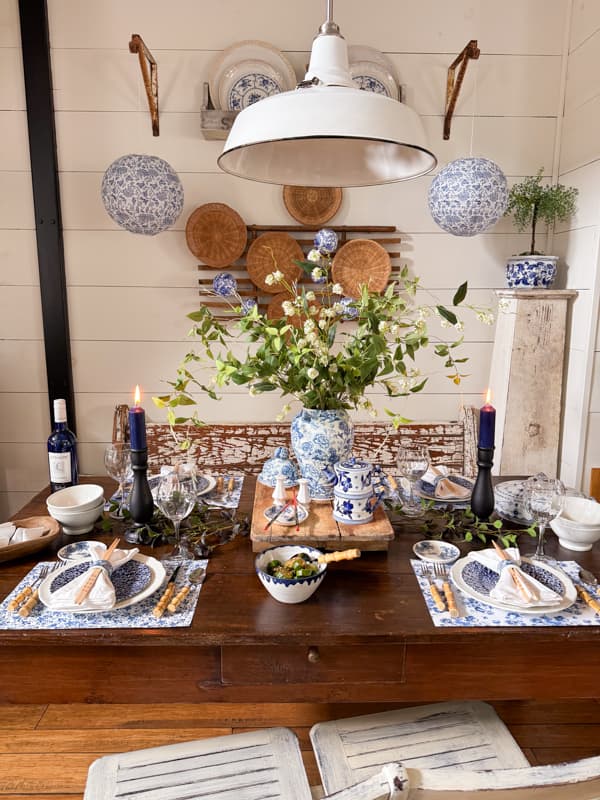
x=530, y=203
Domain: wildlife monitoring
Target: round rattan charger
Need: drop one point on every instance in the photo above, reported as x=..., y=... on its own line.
x=216, y=234
x=361, y=262
x=311, y=205
x=271, y=252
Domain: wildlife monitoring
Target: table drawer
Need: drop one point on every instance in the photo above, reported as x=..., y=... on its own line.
x=269, y=664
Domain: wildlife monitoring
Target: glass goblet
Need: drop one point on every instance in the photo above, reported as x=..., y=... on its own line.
x=176, y=497
x=117, y=461
x=543, y=499
x=413, y=462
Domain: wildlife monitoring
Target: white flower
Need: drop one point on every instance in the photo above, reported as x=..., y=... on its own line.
x=445, y=324
x=315, y=257
x=310, y=295
x=322, y=324
x=425, y=312
x=333, y=368
x=337, y=288
x=301, y=343
x=395, y=328
x=288, y=308
x=460, y=325
x=283, y=413
x=252, y=391
x=504, y=304
x=317, y=272
x=312, y=373
x=270, y=279
x=277, y=276
x=309, y=325
x=313, y=310
x=338, y=308
x=384, y=326
x=312, y=337
x=485, y=316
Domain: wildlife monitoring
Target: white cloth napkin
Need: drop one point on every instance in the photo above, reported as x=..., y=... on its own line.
x=11, y=535
x=102, y=595
x=505, y=591
x=444, y=487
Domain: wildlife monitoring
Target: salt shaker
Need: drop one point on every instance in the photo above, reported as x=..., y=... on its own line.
x=303, y=492
x=279, y=495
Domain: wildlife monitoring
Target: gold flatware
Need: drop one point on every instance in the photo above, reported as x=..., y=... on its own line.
x=179, y=598
x=338, y=555
x=592, y=602
x=219, y=486
x=95, y=573
x=433, y=589
x=160, y=607
x=27, y=591
x=441, y=571
x=517, y=580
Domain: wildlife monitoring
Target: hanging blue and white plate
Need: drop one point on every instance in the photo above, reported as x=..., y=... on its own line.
x=373, y=77
x=248, y=82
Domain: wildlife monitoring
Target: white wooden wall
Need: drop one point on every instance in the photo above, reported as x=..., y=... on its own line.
x=128, y=295
x=578, y=243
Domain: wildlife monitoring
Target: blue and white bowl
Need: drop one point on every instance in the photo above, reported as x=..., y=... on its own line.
x=436, y=552
x=281, y=589
x=279, y=464
x=531, y=272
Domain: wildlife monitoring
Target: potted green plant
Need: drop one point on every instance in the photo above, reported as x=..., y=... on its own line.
x=530, y=203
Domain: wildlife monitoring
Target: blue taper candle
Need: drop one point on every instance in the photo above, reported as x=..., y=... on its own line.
x=487, y=423
x=137, y=424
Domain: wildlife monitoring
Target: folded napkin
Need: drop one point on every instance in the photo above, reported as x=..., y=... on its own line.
x=438, y=482
x=102, y=595
x=506, y=591
x=10, y=534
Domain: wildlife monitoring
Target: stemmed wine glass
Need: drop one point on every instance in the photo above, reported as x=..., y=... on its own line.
x=413, y=462
x=544, y=498
x=117, y=461
x=176, y=497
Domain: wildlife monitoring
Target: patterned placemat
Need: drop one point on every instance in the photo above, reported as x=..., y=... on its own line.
x=134, y=616
x=476, y=614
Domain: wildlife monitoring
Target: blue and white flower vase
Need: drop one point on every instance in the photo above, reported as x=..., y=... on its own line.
x=531, y=272
x=320, y=439
x=142, y=194
x=468, y=196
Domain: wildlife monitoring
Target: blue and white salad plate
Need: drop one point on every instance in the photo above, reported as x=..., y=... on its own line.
x=287, y=517
x=436, y=552
x=248, y=82
x=477, y=581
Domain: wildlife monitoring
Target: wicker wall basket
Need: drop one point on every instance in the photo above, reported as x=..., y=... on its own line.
x=361, y=262
x=311, y=205
x=216, y=234
x=270, y=252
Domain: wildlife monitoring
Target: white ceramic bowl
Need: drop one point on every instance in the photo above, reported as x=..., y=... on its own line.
x=573, y=536
x=83, y=496
x=75, y=521
x=283, y=590
x=580, y=511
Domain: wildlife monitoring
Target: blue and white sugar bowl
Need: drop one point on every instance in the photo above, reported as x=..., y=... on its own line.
x=279, y=464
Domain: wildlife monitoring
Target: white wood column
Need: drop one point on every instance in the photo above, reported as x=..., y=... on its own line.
x=526, y=379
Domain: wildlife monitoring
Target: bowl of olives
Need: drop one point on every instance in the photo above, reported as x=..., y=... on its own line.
x=291, y=574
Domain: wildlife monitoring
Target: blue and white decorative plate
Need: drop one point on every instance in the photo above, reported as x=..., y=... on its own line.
x=373, y=77
x=436, y=552
x=477, y=581
x=205, y=484
x=77, y=551
x=287, y=517
x=248, y=82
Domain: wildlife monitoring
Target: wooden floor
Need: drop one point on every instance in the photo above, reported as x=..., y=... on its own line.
x=45, y=751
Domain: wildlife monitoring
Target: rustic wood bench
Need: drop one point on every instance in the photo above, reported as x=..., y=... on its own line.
x=244, y=447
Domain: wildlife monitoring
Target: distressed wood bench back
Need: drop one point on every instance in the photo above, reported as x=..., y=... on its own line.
x=244, y=447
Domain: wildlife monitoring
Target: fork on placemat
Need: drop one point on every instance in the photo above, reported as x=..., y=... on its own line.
x=435, y=593
x=28, y=597
x=442, y=571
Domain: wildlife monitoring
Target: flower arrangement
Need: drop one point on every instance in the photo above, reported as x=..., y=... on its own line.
x=327, y=348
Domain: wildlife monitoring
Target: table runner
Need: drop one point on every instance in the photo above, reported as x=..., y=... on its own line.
x=477, y=614
x=135, y=616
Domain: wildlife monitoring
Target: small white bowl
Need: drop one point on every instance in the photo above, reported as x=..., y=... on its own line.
x=81, y=497
x=436, y=552
x=573, y=536
x=580, y=511
x=282, y=589
x=74, y=521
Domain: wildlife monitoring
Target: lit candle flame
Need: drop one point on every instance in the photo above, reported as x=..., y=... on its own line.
x=488, y=397
x=137, y=397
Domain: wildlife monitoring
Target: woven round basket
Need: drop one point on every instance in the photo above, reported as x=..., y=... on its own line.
x=312, y=205
x=275, y=309
x=216, y=234
x=271, y=252
x=361, y=262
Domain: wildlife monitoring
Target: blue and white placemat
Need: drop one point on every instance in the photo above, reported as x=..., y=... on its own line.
x=138, y=615
x=476, y=614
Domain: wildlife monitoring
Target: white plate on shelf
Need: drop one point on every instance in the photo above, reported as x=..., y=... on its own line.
x=249, y=50
x=247, y=82
x=148, y=585
x=372, y=77
x=567, y=589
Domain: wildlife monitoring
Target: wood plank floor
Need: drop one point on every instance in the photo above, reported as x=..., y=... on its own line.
x=45, y=751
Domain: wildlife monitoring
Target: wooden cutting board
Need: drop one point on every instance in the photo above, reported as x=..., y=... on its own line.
x=320, y=529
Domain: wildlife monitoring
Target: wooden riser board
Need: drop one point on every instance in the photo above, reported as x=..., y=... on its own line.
x=319, y=530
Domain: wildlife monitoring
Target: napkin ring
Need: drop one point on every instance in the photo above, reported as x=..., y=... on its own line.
x=105, y=565
x=507, y=562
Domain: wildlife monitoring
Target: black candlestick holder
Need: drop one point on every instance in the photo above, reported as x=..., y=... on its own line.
x=141, y=504
x=482, y=497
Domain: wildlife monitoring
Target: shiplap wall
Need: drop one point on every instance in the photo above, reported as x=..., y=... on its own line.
x=128, y=295
x=578, y=242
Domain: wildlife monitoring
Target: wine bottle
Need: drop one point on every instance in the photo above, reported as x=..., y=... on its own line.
x=62, y=450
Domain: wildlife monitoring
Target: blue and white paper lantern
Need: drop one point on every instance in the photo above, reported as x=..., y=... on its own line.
x=468, y=196
x=142, y=194
x=224, y=284
x=326, y=240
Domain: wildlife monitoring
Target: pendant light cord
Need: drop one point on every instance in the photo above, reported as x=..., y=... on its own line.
x=474, y=110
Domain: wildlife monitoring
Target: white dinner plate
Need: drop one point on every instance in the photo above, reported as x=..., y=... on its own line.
x=248, y=50
x=247, y=82
x=569, y=592
x=157, y=576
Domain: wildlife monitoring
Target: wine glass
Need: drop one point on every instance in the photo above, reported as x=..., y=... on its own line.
x=176, y=497
x=117, y=461
x=413, y=462
x=543, y=499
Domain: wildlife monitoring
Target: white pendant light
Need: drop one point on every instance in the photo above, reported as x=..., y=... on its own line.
x=327, y=132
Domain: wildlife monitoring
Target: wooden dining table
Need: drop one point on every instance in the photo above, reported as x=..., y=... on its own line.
x=364, y=636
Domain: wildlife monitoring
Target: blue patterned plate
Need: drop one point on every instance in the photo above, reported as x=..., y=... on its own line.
x=287, y=517
x=477, y=581
x=133, y=582
x=436, y=551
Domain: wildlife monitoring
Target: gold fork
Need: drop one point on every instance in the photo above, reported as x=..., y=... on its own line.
x=435, y=592
x=32, y=600
x=441, y=571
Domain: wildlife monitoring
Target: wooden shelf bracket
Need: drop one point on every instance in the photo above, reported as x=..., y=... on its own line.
x=149, y=75
x=471, y=50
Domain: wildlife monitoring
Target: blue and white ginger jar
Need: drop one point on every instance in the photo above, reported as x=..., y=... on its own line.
x=279, y=464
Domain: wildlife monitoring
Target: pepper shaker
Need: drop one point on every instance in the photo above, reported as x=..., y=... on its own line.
x=279, y=495
x=303, y=492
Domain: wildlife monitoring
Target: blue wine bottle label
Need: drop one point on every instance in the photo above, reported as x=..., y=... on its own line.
x=60, y=467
